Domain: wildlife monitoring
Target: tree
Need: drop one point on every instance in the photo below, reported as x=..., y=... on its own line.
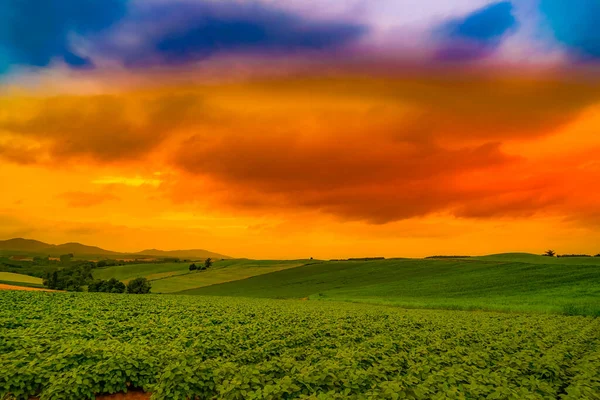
x=550, y=253
x=139, y=286
x=71, y=278
x=110, y=286
x=207, y=263
x=193, y=267
x=66, y=258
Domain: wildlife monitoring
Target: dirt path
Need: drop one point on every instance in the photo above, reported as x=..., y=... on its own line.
x=133, y=395
x=13, y=287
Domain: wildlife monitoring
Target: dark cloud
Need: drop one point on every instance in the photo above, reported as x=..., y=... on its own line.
x=478, y=34
x=373, y=149
x=575, y=24
x=370, y=177
x=34, y=32
x=179, y=33
x=104, y=128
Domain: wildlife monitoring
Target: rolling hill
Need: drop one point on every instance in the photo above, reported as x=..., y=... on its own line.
x=174, y=277
x=20, y=246
x=20, y=279
x=416, y=283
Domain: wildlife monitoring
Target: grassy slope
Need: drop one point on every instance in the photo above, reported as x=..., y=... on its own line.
x=222, y=271
x=149, y=271
x=537, y=259
x=20, y=279
x=174, y=277
x=456, y=284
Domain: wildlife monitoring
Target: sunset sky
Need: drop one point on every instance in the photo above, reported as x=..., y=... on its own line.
x=299, y=128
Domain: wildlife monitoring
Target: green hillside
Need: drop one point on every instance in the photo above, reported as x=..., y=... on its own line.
x=146, y=270
x=453, y=284
x=19, y=279
x=222, y=271
x=175, y=277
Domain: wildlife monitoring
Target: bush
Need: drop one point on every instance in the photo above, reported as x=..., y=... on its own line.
x=70, y=278
x=110, y=286
x=139, y=286
x=193, y=267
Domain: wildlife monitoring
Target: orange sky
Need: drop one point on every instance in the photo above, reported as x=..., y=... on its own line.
x=325, y=165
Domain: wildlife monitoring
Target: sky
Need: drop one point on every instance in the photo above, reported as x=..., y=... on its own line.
x=304, y=128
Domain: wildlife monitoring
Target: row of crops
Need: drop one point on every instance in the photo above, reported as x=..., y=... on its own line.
x=76, y=345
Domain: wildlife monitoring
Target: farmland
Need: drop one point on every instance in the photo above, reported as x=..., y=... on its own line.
x=467, y=284
x=19, y=279
x=175, y=277
x=75, y=345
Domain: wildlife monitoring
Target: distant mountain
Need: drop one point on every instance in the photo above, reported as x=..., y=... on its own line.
x=14, y=246
x=194, y=253
x=20, y=244
x=78, y=248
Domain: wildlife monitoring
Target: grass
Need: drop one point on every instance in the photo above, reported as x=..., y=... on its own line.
x=464, y=284
x=16, y=279
x=220, y=272
x=538, y=259
x=126, y=273
x=175, y=277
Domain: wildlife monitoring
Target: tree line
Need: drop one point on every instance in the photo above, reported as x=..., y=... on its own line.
x=207, y=264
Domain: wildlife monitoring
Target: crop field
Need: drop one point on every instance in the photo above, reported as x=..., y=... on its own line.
x=76, y=345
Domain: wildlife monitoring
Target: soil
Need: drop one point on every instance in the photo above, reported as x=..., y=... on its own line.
x=133, y=395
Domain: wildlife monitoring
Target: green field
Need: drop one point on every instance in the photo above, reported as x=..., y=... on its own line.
x=175, y=277
x=76, y=345
x=468, y=284
x=220, y=272
x=537, y=259
x=147, y=270
x=19, y=279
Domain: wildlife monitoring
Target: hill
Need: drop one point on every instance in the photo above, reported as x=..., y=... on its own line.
x=78, y=248
x=174, y=277
x=26, y=245
x=454, y=284
x=20, y=246
x=193, y=253
x=20, y=280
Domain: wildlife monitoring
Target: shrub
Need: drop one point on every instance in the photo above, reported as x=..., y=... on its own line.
x=110, y=286
x=70, y=278
x=139, y=286
x=193, y=267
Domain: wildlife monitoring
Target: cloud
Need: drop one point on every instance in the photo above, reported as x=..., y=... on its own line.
x=87, y=199
x=574, y=24
x=127, y=181
x=180, y=33
x=370, y=149
x=35, y=32
x=81, y=34
x=105, y=128
x=478, y=34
